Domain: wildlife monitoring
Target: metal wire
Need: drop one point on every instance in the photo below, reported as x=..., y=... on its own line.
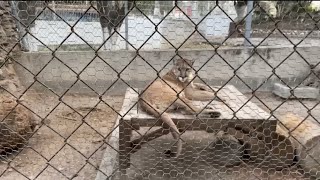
x=59, y=12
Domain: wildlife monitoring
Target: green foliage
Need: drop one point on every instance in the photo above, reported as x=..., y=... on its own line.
x=300, y=7
x=165, y=6
x=309, y=9
x=145, y=5
x=294, y=8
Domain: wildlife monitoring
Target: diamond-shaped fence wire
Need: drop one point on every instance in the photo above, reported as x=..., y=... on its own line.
x=159, y=90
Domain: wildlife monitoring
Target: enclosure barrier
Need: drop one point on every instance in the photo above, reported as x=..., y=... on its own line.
x=73, y=75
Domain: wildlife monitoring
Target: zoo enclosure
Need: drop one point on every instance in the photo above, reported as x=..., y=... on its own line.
x=70, y=75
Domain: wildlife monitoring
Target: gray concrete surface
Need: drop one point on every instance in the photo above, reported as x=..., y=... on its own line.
x=102, y=73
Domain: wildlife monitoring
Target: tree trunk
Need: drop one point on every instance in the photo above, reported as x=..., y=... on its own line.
x=111, y=17
x=305, y=137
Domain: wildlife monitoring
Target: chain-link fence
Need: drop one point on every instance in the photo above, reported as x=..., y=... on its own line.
x=159, y=90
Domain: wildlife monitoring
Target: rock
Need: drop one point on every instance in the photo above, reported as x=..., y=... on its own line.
x=305, y=138
x=226, y=149
x=273, y=151
x=300, y=92
x=253, y=147
x=16, y=126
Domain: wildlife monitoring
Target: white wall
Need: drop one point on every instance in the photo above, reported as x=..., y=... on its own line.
x=140, y=29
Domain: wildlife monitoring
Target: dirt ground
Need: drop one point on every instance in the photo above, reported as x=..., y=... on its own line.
x=49, y=153
x=49, y=156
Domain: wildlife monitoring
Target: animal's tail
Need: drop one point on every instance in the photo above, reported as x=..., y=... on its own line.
x=167, y=120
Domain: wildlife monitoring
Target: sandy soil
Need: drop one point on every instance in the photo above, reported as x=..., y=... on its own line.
x=60, y=147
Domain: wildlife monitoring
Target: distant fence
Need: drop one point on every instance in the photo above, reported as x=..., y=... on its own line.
x=51, y=29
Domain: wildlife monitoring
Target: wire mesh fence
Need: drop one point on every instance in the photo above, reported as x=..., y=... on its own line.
x=159, y=90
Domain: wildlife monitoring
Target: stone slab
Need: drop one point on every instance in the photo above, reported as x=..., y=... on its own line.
x=300, y=92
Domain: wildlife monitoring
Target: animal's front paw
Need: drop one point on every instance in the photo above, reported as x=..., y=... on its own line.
x=204, y=88
x=214, y=114
x=211, y=113
x=169, y=153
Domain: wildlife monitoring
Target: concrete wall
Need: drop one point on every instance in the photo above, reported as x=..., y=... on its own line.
x=101, y=71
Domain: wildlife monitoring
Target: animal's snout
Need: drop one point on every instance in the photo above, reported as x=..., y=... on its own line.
x=183, y=79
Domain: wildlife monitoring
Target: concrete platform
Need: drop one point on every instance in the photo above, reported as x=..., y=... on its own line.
x=199, y=159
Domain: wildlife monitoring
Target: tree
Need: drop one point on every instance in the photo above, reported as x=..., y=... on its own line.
x=112, y=14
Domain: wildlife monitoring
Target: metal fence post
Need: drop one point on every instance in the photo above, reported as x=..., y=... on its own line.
x=248, y=23
x=126, y=24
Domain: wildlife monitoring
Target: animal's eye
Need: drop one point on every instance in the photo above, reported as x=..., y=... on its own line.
x=188, y=69
x=179, y=69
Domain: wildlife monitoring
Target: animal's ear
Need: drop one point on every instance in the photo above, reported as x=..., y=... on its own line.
x=190, y=62
x=177, y=61
x=174, y=61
